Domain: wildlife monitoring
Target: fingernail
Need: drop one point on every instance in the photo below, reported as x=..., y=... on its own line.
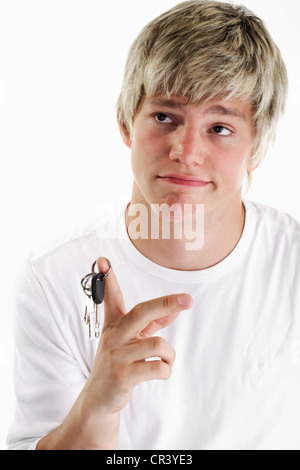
x=183, y=300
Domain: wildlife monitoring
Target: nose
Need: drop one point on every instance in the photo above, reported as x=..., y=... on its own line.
x=188, y=147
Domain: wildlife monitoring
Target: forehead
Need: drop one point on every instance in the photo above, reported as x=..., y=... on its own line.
x=236, y=108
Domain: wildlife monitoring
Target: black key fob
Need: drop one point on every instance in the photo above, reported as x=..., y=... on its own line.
x=98, y=288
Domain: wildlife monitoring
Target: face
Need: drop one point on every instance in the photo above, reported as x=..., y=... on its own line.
x=190, y=153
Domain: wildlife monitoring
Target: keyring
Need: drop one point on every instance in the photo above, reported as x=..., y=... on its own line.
x=85, y=282
x=93, y=285
x=109, y=268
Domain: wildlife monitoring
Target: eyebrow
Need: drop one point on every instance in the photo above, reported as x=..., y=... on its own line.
x=215, y=109
x=219, y=109
x=166, y=103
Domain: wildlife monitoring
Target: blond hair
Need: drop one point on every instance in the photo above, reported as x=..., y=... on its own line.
x=201, y=50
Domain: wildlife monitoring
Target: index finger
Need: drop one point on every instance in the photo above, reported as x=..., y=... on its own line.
x=113, y=299
x=144, y=313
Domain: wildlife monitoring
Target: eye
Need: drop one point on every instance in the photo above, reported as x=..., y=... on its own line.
x=221, y=130
x=161, y=117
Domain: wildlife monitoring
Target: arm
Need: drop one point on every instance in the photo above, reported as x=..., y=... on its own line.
x=93, y=421
x=119, y=366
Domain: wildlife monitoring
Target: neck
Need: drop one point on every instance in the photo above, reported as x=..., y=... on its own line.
x=170, y=243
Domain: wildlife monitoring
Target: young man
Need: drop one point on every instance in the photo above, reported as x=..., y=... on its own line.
x=203, y=89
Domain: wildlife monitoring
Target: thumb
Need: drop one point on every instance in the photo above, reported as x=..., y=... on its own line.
x=114, y=307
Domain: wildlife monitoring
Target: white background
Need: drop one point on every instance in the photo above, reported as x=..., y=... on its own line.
x=61, y=64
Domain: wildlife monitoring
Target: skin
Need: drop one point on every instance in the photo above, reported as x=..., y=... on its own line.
x=211, y=142
x=127, y=339
x=167, y=138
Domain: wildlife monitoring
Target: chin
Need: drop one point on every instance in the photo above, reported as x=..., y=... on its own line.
x=178, y=208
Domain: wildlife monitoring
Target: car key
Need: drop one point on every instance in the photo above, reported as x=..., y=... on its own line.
x=93, y=285
x=98, y=290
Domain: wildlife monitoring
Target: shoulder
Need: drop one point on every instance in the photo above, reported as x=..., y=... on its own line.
x=276, y=234
x=81, y=244
x=268, y=217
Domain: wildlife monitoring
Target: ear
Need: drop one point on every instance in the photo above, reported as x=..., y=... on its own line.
x=125, y=135
x=252, y=168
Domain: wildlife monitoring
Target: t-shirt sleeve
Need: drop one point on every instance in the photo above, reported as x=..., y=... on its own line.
x=47, y=376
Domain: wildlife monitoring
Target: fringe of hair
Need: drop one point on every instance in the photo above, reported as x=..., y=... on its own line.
x=204, y=49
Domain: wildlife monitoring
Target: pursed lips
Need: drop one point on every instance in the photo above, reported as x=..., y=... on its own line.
x=185, y=180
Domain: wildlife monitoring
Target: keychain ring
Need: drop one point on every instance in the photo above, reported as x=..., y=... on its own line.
x=109, y=268
x=84, y=284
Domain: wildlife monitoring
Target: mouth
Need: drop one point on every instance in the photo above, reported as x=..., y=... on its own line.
x=184, y=180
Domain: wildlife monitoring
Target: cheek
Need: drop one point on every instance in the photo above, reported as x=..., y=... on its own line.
x=141, y=156
x=140, y=139
x=232, y=164
x=147, y=148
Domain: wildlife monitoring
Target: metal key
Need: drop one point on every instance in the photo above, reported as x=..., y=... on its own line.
x=98, y=290
x=93, y=285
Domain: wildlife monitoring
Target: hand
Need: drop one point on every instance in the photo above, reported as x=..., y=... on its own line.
x=125, y=344
x=119, y=365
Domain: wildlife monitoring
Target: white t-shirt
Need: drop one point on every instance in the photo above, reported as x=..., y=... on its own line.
x=235, y=383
